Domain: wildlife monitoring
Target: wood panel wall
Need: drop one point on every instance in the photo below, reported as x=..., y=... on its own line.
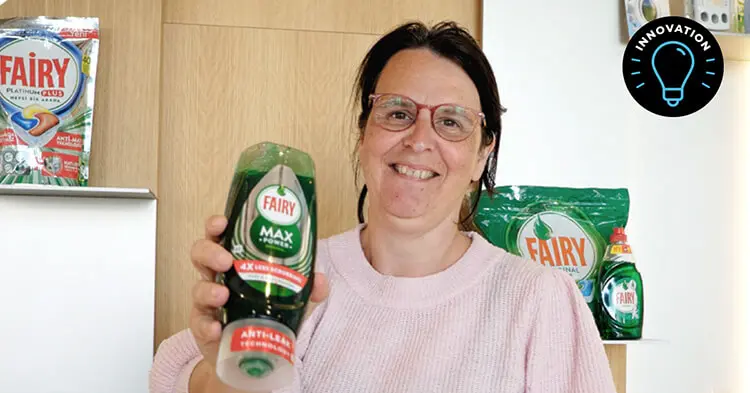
x=185, y=85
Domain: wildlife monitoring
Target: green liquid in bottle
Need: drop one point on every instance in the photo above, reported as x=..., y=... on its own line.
x=272, y=236
x=619, y=313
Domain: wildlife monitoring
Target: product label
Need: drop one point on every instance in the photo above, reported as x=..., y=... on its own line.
x=47, y=71
x=59, y=165
x=262, y=339
x=555, y=239
x=8, y=138
x=279, y=205
x=617, y=249
x=66, y=141
x=40, y=81
x=561, y=227
x=38, y=71
x=272, y=238
x=271, y=273
x=275, y=232
x=620, y=298
x=79, y=33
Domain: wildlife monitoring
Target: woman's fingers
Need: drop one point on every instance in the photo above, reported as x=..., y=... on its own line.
x=214, y=227
x=205, y=327
x=209, y=295
x=209, y=257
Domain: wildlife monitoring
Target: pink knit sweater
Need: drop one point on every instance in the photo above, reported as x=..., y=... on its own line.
x=492, y=322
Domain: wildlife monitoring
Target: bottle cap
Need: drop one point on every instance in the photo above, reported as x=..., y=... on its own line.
x=257, y=354
x=618, y=235
x=256, y=367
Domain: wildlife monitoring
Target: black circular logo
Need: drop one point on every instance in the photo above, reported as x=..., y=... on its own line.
x=673, y=66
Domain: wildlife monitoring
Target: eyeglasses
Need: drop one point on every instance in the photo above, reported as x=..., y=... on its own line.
x=452, y=122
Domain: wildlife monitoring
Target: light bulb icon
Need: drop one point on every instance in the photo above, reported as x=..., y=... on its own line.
x=676, y=64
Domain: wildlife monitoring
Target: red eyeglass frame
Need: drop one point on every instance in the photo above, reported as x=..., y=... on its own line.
x=431, y=108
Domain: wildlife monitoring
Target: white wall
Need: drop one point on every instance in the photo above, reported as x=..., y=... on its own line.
x=77, y=293
x=571, y=122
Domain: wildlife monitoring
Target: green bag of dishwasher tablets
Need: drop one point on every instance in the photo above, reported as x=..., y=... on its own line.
x=565, y=228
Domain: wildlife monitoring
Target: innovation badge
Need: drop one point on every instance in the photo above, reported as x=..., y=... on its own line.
x=673, y=66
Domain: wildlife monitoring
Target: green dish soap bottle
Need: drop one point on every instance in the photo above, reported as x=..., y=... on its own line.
x=272, y=235
x=620, y=292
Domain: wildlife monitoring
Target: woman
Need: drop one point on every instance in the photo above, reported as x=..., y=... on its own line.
x=413, y=300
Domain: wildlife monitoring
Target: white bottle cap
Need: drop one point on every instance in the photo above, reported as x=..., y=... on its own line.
x=256, y=355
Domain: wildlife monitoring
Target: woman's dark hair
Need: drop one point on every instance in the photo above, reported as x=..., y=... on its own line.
x=456, y=44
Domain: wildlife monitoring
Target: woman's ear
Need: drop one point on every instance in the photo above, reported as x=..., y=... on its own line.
x=484, y=152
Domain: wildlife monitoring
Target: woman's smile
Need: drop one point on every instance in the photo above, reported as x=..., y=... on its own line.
x=414, y=172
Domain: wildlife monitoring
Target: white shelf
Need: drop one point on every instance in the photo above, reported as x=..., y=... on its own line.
x=76, y=192
x=631, y=342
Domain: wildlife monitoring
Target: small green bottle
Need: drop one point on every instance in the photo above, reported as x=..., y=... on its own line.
x=620, y=292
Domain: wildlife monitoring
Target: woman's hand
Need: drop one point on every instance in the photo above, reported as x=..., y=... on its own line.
x=209, y=258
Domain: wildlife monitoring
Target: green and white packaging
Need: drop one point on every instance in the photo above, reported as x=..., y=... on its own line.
x=564, y=228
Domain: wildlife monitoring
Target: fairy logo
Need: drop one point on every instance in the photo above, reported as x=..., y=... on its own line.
x=557, y=240
x=39, y=71
x=279, y=205
x=620, y=299
x=625, y=297
x=275, y=231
